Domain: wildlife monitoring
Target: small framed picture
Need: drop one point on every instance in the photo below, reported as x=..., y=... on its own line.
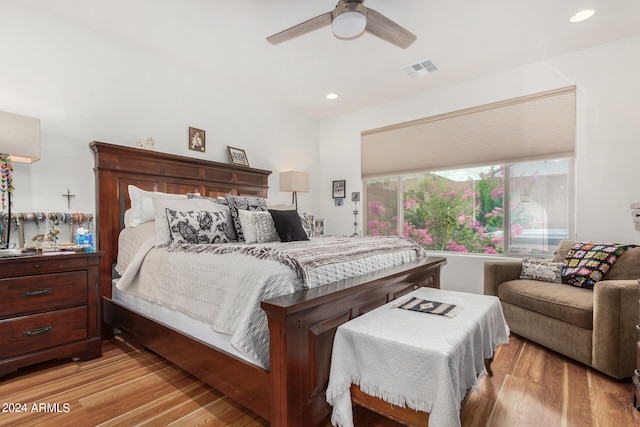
x=338, y=202
x=339, y=189
x=319, y=225
x=310, y=219
x=238, y=156
x=197, y=139
x=355, y=196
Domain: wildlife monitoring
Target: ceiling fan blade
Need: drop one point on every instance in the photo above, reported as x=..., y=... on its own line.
x=387, y=30
x=300, y=29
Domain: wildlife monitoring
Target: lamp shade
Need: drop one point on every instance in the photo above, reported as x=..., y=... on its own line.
x=20, y=137
x=348, y=19
x=349, y=25
x=294, y=181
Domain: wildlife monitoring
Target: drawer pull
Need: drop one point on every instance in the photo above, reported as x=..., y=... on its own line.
x=638, y=328
x=38, y=331
x=36, y=293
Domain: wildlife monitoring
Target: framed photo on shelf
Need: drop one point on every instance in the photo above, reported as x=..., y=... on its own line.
x=238, y=156
x=197, y=139
x=319, y=225
x=339, y=189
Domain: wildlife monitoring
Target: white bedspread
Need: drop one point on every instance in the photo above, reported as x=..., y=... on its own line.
x=423, y=361
x=225, y=289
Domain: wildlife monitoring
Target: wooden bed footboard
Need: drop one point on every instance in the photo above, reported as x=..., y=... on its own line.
x=302, y=327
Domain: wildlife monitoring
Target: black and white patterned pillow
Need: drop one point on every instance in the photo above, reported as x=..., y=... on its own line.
x=219, y=201
x=243, y=203
x=197, y=227
x=265, y=228
x=306, y=225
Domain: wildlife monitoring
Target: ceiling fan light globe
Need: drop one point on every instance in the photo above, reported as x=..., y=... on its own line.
x=348, y=25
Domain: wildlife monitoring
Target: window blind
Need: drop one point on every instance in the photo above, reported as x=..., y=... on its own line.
x=527, y=128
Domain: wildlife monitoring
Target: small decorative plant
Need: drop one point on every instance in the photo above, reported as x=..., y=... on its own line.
x=6, y=178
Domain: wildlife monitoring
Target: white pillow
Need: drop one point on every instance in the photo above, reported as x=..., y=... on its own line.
x=248, y=224
x=142, y=205
x=160, y=203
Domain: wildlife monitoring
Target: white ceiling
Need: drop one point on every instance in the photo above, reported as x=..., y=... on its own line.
x=464, y=38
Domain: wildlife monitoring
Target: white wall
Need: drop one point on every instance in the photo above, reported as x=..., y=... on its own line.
x=84, y=87
x=607, y=147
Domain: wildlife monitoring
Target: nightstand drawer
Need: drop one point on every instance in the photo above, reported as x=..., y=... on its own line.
x=30, y=333
x=29, y=294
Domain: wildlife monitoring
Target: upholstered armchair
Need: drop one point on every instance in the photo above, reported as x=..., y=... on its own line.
x=594, y=326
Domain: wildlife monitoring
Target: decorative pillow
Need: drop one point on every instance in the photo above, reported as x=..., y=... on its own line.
x=247, y=203
x=560, y=253
x=220, y=200
x=587, y=263
x=288, y=225
x=306, y=225
x=142, y=205
x=233, y=236
x=197, y=227
x=163, y=234
x=543, y=270
x=266, y=228
x=248, y=223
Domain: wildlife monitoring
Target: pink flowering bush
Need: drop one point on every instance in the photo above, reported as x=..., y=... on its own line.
x=447, y=215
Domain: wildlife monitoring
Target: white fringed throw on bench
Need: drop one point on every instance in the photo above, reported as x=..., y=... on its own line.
x=418, y=360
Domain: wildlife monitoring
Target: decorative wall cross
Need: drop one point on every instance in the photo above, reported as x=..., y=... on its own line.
x=68, y=196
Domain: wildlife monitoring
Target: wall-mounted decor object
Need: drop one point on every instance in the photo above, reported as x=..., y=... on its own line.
x=197, y=140
x=339, y=189
x=338, y=202
x=238, y=156
x=355, y=198
x=319, y=225
x=295, y=182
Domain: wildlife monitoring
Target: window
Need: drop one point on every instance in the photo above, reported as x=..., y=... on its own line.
x=473, y=209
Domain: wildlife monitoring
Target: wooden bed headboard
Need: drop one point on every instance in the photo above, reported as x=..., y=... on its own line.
x=116, y=167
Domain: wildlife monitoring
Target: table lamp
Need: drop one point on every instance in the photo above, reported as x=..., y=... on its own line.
x=295, y=182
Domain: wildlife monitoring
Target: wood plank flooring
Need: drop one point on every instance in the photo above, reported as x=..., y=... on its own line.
x=129, y=386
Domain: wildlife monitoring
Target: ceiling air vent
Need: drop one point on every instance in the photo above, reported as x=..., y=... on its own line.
x=420, y=69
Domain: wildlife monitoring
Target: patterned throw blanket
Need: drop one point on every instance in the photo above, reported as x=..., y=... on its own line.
x=306, y=255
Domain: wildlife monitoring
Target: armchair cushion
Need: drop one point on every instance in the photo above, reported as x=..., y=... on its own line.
x=567, y=303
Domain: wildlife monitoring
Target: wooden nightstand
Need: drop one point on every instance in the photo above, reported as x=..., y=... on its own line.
x=48, y=308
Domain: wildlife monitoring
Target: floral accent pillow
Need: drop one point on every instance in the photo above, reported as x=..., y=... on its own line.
x=197, y=227
x=587, y=263
x=243, y=203
x=543, y=270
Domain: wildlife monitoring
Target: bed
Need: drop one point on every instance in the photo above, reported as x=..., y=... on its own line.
x=301, y=325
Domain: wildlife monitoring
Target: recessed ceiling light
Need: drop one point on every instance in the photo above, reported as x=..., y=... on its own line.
x=582, y=15
x=332, y=95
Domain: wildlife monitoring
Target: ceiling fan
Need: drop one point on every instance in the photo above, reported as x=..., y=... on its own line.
x=348, y=20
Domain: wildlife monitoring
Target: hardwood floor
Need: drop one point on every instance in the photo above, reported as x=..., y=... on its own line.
x=129, y=386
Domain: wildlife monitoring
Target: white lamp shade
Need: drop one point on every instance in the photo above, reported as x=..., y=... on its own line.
x=294, y=181
x=20, y=137
x=348, y=25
